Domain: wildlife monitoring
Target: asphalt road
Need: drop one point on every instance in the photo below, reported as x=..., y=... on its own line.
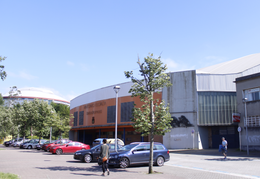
x=33, y=164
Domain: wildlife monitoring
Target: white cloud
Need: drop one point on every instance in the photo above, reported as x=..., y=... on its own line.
x=84, y=67
x=174, y=66
x=23, y=75
x=70, y=63
x=27, y=76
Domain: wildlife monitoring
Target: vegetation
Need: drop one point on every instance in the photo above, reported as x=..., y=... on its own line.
x=8, y=176
x=2, y=72
x=33, y=118
x=153, y=118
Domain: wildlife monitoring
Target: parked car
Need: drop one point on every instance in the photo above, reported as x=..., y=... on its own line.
x=39, y=146
x=48, y=146
x=32, y=144
x=7, y=143
x=139, y=153
x=29, y=141
x=71, y=147
x=93, y=153
x=19, y=142
x=109, y=141
x=11, y=143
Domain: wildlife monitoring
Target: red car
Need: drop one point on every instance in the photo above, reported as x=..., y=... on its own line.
x=71, y=147
x=56, y=142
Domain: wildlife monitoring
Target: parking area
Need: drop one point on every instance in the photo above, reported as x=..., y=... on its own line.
x=32, y=163
x=187, y=164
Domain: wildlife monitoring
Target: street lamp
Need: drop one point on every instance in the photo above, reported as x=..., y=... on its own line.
x=245, y=100
x=116, y=89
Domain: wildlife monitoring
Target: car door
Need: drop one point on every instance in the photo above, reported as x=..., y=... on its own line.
x=96, y=152
x=139, y=154
x=68, y=147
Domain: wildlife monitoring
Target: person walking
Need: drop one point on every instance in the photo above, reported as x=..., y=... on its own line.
x=224, y=147
x=104, y=153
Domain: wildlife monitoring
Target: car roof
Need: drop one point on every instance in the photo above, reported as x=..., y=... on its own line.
x=141, y=143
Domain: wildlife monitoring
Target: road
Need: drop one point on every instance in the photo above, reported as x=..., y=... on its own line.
x=31, y=164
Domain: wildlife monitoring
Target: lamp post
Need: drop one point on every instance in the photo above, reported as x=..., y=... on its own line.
x=245, y=100
x=116, y=89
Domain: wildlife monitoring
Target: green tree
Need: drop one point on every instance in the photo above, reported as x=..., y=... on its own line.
x=62, y=121
x=12, y=98
x=1, y=100
x=44, y=119
x=2, y=72
x=6, y=122
x=153, y=118
x=23, y=116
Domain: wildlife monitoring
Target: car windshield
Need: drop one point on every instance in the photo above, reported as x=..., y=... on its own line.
x=128, y=147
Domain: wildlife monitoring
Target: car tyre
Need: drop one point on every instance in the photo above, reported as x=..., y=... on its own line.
x=124, y=162
x=160, y=161
x=87, y=158
x=29, y=147
x=58, y=151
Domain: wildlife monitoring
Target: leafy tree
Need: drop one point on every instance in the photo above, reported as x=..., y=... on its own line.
x=45, y=118
x=153, y=118
x=2, y=72
x=6, y=122
x=62, y=121
x=24, y=115
x=13, y=93
x=1, y=100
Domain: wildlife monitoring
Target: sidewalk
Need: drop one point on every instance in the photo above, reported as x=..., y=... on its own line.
x=215, y=152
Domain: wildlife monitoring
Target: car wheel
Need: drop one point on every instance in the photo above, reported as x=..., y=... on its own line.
x=58, y=151
x=87, y=158
x=124, y=163
x=29, y=147
x=160, y=161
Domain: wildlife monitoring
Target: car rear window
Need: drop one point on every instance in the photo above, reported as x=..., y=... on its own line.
x=159, y=147
x=96, y=141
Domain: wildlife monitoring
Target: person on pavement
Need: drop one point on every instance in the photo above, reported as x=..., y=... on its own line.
x=224, y=149
x=104, y=153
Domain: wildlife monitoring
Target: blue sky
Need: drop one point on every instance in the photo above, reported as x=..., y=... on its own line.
x=73, y=47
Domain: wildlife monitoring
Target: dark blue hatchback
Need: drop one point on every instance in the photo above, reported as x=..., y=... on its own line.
x=139, y=153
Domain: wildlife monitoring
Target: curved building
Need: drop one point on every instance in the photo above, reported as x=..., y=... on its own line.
x=31, y=93
x=95, y=113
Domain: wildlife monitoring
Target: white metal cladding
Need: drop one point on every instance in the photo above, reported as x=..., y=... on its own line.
x=221, y=77
x=101, y=94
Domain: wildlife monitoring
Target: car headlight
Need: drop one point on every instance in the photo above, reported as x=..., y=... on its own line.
x=114, y=156
x=77, y=153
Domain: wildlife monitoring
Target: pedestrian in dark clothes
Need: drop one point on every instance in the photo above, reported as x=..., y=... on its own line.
x=104, y=153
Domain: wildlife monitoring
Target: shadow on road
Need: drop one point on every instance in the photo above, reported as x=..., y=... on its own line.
x=230, y=159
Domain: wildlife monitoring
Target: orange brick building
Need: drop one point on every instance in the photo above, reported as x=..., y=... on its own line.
x=94, y=115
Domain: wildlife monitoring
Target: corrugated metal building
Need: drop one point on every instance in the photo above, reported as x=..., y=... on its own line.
x=202, y=102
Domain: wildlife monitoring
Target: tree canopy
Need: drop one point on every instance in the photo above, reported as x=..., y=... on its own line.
x=153, y=117
x=2, y=72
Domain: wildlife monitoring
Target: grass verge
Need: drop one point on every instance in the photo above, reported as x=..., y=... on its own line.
x=8, y=176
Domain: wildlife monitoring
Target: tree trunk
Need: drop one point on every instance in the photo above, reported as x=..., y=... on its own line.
x=151, y=136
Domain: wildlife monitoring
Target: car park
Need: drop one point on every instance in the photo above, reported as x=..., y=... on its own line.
x=109, y=141
x=39, y=146
x=139, y=153
x=71, y=147
x=31, y=145
x=19, y=142
x=48, y=146
x=93, y=153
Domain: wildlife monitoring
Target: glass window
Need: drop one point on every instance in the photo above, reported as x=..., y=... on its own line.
x=111, y=114
x=127, y=111
x=81, y=117
x=252, y=94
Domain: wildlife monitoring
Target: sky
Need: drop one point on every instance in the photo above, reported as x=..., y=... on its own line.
x=74, y=47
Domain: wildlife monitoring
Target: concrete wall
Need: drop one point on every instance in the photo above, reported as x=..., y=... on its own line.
x=253, y=109
x=182, y=100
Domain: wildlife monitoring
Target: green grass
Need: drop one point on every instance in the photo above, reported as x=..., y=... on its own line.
x=8, y=176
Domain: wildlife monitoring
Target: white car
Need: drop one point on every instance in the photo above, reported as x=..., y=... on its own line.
x=31, y=145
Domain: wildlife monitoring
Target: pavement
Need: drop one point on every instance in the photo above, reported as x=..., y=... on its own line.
x=184, y=164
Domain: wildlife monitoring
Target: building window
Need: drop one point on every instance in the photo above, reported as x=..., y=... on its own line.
x=127, y=111
x=216, y=108
x=75, y=119
x=111, y=114
x=81, y=117
x=252, y=94
x=252, y=121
